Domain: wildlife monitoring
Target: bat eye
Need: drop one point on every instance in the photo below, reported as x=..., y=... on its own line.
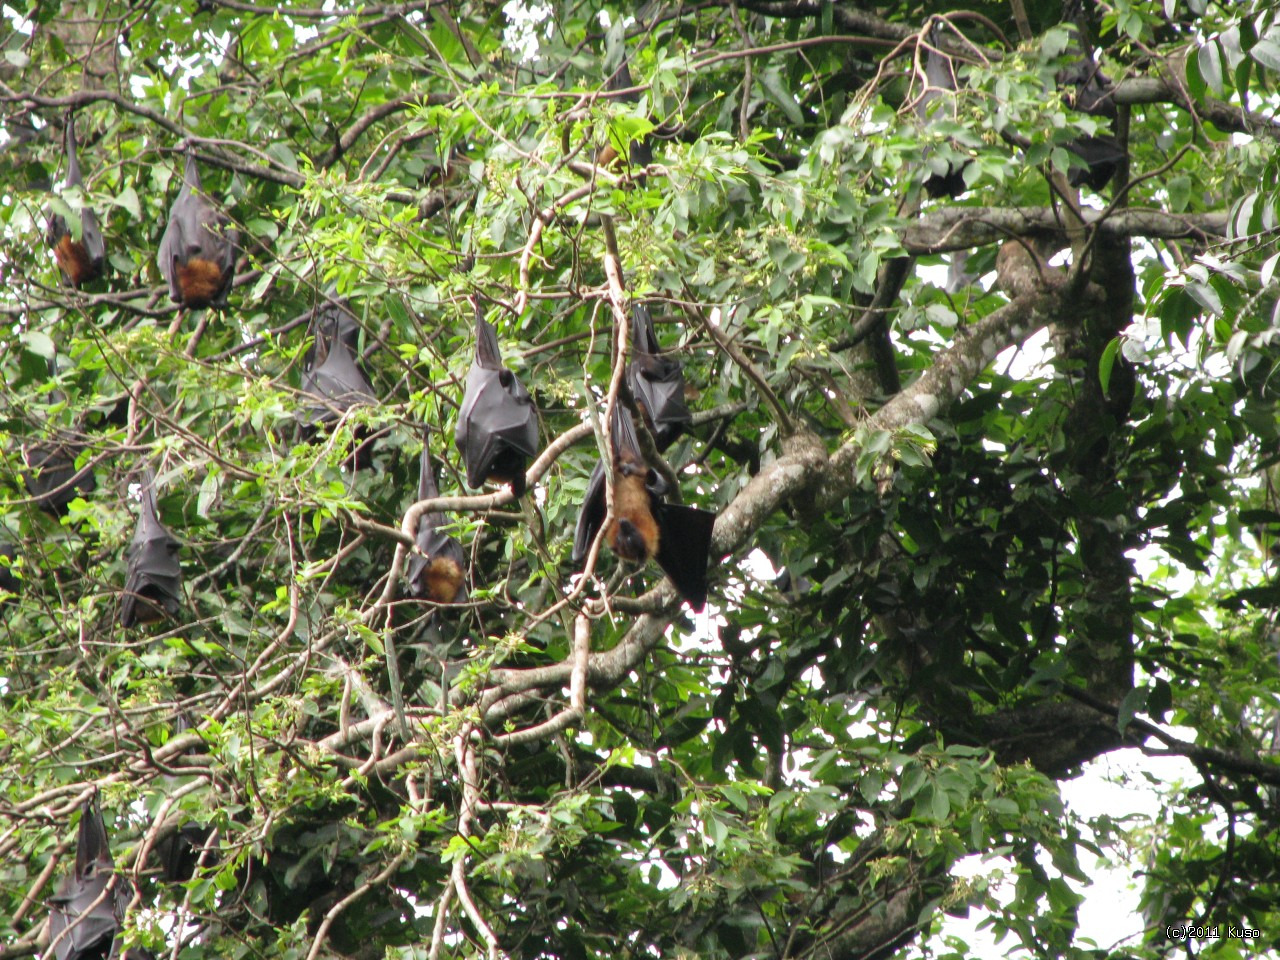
x=506, y=378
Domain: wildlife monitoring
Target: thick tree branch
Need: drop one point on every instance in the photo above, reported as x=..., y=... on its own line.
x=948, y=229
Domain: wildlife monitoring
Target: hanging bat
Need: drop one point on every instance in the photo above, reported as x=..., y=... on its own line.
x=51, y=476
x=8, y=582
x=331, y=374
x=640, y=150
x=644, y=527
x=946, y=178
x=1088, y=90
x=153, y=586
x=84, y=915
x=179, y=852
x=497, y=428
x=656, y=382
x=439, y=575
x=80, y=254
x=198, y=249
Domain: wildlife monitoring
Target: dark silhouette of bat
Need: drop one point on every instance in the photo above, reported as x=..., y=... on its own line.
x=331, y=374
x=85, y=913
x=639, y=151
x=440, y=573
x=51, y=476
x=1088, y=90
x=8, y=582
x=497, y=428
x=153, y=586
x=179, y=852
x=198, y=249
x=944, y=180
x=81, y=254
x=644, y=526
x=656, y=382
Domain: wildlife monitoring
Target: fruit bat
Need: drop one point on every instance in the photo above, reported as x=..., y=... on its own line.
x=438, y=575
x=153, y=586
x=1088, y=89
x=8, y=582
x=331, y=374
x=656, y=382
x=82, y=259
x=644, y=526
x=640, y=150
x=198, y=249
x=84, y=916
x=497, y=426
x=179, y=852
x=51, y=476
x=940, y=77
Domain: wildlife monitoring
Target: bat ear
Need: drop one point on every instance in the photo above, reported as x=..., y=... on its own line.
x=91, y=837
x=190, y=172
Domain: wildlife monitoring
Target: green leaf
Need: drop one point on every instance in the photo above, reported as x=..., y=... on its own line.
x=1209, y=62
x=1267, y=53
x=1134, y=701
x=1106, y=362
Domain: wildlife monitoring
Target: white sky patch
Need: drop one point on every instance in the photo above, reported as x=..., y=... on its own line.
x=520, y=35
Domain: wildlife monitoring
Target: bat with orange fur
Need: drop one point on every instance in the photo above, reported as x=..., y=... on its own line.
x=81, y=254
x=439, y=573
x=644, y=527
x=198, y=249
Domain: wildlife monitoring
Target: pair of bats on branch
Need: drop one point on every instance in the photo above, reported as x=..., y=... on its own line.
x=197, y=250
x=87, y=910
x=1085, y=87
x=642, y=525
x=497, y=433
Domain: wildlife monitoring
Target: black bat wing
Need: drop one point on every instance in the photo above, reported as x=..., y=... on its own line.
x=590, y=516
x=684, y=547
x=640, y=153
x=8, y=582
x=179, y=852
x=1100, y=155
x=656, y=382
x=1093, y=94
x=154, y=579
x=338, y=383
x=497, y=427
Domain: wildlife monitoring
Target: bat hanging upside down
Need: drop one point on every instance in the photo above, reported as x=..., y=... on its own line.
x=644, y=527
x=81, y=260
x=153, y=587
x=497, y=428
x=198, y=249
x=439, y=574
